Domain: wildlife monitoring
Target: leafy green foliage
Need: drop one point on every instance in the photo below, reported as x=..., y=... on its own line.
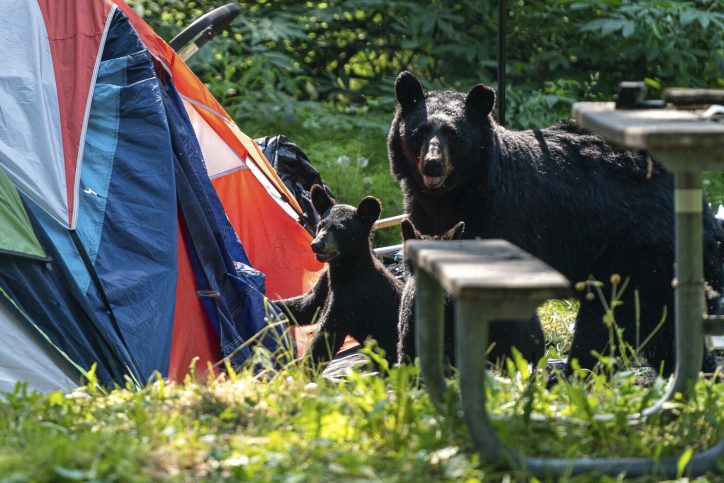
x=322, y=71
x=322, y=74
x=348, y=52
x=293, y=425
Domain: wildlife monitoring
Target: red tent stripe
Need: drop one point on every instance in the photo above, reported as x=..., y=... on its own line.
x=193, y=335
x=74, y=44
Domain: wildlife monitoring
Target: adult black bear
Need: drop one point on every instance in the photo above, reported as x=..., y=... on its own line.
x=561, y=194
x=526, y=336
x=356, y=295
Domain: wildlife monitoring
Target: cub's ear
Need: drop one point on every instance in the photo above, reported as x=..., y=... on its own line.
x=409, y=232
x=369, y=209
x=455, y=232
x=320, y=200
x=479, y=101
x=408, y=90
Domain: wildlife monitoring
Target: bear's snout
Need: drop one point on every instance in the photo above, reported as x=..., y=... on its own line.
x=317, y=246
x=433, y=166
x=325, y=247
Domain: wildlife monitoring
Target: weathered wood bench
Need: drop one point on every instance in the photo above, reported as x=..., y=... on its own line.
x=493, y=280
x=488, y=280
x=508, y=286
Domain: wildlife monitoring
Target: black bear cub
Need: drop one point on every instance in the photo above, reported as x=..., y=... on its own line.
x=561, y=194
x=356, y=295
x=526, y=335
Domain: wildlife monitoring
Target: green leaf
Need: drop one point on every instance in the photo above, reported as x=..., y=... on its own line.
x=688, y=16
x=683, y=461
x=653, y=83
x=71, y=474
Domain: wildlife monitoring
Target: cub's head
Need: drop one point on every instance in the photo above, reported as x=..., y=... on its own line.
x=343, y=229
x=438, y=139
x=410, y=232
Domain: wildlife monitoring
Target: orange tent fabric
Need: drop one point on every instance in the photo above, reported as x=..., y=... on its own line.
x=193, y=335
x=275, y=242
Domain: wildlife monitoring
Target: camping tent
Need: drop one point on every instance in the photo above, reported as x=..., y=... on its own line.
x=132, y=209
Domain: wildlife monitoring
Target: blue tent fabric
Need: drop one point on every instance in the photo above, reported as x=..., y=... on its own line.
x=209, y=201
x=127, y=206
x=241, y=310
x=137, y=249
x=107, y=295
x=66, y=261
x=46, y=293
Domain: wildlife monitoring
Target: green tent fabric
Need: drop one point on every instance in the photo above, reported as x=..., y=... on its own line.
x=16, y=232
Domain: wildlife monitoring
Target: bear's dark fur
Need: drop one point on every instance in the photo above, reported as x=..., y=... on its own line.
x=526, y=336
x=355, y=295
x=561, y=194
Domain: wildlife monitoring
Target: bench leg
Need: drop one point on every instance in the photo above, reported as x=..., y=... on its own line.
x=471, y=342
x=689, y=291
x=699, y=464
x=430, y=333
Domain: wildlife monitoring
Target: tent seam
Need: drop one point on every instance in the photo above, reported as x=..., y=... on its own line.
x=86, y=115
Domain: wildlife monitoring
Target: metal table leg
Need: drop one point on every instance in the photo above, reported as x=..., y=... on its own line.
x=689, y=287
x=689, y=292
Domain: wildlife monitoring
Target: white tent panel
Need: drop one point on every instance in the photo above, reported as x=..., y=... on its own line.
x=31, y=145
x=24, y=356
x=221, y=160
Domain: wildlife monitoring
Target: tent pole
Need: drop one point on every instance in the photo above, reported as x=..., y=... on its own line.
x=102, y=293
x=501, y=62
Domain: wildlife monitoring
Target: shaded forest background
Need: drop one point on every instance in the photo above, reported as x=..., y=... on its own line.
x=322, y=72
x=281, y=55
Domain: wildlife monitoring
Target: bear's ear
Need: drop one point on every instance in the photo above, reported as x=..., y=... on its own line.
x=455, y=232
x=409, y=232
x=480, y=101
x=320, y=200
x=369, y=209
x=408, y=90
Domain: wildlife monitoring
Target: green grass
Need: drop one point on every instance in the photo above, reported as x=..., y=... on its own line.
x=559, y=317
x=294, y=425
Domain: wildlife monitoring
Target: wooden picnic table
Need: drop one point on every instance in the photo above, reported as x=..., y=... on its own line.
x=493, y=280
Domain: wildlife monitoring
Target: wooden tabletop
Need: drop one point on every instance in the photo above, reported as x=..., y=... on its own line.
x=486, y=268
x=656, y=130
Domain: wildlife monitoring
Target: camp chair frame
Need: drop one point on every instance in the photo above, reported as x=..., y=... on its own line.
x=203, y=29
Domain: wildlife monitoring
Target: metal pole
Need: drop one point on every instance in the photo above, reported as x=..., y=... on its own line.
x=501, y=62
x=689, y=292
